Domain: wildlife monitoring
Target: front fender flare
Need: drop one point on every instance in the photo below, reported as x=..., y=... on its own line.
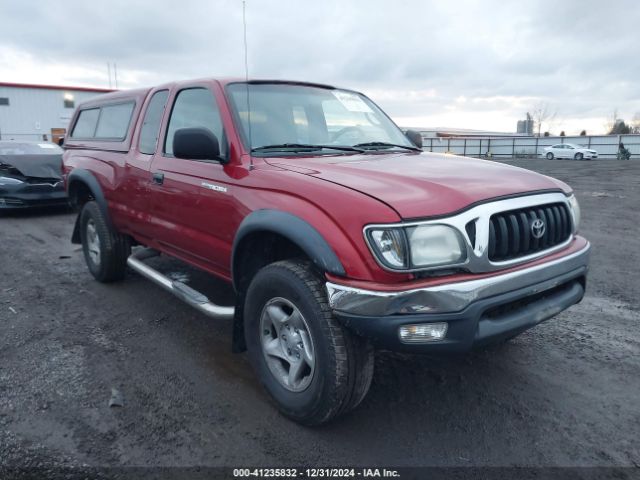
x=295, y=229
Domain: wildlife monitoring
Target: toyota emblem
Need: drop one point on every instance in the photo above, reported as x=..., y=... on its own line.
x=537, y=228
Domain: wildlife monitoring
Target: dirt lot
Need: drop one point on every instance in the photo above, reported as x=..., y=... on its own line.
x=566, y=393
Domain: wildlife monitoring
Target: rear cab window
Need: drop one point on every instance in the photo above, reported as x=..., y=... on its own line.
x=150, y=129
x=106, y=122
x=109, y=122
x=113, y=122
x=86, y=124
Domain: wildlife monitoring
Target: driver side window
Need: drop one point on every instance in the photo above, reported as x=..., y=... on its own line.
x=195, y=107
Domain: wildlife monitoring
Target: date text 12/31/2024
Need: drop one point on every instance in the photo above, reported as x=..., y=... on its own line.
x=315, y=473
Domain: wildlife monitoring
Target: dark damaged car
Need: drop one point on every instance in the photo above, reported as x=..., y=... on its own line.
x=30, y=175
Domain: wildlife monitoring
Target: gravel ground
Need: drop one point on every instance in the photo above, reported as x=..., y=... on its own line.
x=566, y=393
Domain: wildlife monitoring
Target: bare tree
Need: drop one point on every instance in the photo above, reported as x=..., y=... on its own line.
x=611, y=121
x=542, y=114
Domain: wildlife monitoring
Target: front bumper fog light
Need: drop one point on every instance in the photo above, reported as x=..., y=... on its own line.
x=423, y=332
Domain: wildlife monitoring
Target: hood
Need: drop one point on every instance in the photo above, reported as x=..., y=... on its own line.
x=39, y=166
x=422, y=185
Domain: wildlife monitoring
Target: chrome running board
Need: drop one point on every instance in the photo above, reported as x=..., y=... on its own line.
x=181, y=290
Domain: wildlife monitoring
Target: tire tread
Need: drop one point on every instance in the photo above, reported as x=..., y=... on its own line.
x=352, y=357
x=116, y=247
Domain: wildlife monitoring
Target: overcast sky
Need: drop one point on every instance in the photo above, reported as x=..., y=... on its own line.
x=461, y=64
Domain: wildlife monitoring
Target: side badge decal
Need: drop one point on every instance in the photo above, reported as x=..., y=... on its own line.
x=216, y=188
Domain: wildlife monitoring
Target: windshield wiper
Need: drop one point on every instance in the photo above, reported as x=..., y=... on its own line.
x=383, y=145
x=304, y=147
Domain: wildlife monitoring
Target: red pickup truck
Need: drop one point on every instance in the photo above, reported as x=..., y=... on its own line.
x=338, y=233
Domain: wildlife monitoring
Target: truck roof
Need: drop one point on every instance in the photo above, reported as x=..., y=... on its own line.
x=138, y=96
x=227, y=80
x=114, y=97
x=142, y=92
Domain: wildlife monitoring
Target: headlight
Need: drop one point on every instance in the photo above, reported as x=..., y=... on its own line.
x=390, y=246
x=575, y=210
x=9, y=181
x=434, y=245
x=423, y=246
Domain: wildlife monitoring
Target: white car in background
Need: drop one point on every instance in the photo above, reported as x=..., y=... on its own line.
x=569, y=150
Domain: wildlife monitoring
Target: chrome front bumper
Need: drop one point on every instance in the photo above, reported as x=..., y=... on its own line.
x=455, y=297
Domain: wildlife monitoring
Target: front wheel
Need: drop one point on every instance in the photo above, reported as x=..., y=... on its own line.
x=312, y=367
x=105, y=250
x=549, y=156
x=578, y=156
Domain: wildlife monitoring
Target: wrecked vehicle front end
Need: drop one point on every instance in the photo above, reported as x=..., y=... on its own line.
x=31, y=181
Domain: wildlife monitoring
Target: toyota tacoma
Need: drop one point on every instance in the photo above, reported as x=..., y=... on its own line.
x=338, y=233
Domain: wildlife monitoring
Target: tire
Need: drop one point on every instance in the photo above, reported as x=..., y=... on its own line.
x=549, y=156
x=342, y=362
x=105, y=250
x=578, y=156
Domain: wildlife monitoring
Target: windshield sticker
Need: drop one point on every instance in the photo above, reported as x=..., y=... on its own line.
x=352, y=102
x=46, y=145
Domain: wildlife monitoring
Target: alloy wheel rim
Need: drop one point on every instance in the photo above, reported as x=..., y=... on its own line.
x=93, y=242
x=287, y=345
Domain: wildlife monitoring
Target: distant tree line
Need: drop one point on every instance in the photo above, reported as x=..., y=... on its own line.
x=544, y=115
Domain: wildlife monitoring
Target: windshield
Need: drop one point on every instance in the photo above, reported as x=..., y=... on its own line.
x=287, y=115
x=24, y=148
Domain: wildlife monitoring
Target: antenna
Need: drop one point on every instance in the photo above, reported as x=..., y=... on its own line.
x=109, y=73
x=246, y=76
x=115, y=73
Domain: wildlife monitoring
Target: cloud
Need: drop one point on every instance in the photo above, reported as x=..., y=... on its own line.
x=418, y=59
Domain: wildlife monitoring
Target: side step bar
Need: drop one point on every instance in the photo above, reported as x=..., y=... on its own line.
x=179, y=289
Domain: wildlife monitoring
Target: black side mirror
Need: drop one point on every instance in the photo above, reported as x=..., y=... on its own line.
x=415, y=137
x=196, y=143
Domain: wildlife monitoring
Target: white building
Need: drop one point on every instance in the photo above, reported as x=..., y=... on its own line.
x=38, y=112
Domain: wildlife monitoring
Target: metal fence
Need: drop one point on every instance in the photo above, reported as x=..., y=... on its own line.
x=528, y=147
x=499, y=147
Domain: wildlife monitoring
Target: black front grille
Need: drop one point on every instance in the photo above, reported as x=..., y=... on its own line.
x=511, y=234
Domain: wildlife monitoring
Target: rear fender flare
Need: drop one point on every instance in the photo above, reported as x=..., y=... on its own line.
x=81, y=176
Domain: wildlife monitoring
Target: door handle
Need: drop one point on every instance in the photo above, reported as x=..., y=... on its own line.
x=158, y=178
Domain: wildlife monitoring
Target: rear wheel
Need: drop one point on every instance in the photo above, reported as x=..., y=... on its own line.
x=578, y=156
x=549, y=156
x=311, y=366
x=105, y=250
